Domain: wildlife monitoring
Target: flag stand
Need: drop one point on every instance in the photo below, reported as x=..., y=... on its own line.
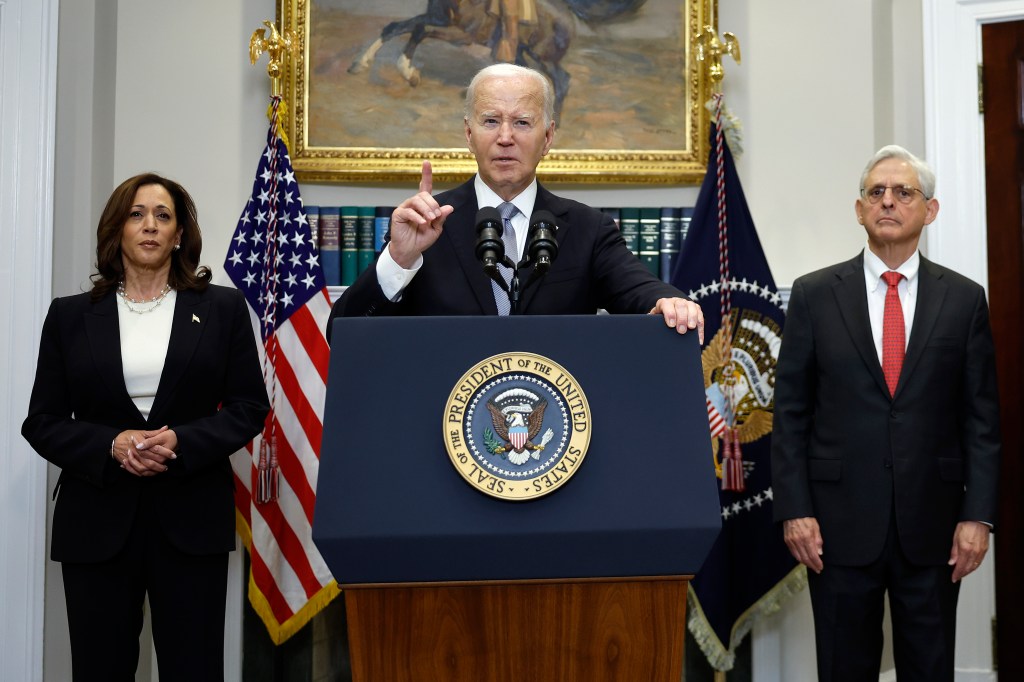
x=722, y=266
x=273, y=260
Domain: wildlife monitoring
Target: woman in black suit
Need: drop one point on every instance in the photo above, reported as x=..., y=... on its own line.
x=145, y=385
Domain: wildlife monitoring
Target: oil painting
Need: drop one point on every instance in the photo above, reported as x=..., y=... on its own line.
x=376, y=86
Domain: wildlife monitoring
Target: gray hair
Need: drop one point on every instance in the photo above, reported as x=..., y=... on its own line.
x=893, y=151
x=505, y=70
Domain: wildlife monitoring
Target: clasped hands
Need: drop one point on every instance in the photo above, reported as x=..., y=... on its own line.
x=145, y=453
x=417, y=223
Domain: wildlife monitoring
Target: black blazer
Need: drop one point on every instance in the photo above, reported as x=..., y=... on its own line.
x=845, y=452
x=211, y=393
x=594, y=269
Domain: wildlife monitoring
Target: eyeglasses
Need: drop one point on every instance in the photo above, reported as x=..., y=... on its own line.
x=901, y=193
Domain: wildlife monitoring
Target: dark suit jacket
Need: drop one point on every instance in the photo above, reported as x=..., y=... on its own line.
x=845, y=452
x=211, y=393
x=594, y=269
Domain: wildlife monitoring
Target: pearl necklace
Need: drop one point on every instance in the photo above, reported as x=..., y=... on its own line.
x=156, y=300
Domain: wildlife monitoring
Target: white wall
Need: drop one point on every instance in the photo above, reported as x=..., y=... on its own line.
x=152, y=85
x=189, y=105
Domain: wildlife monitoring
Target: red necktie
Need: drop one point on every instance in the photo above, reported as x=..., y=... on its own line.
x=893, y=331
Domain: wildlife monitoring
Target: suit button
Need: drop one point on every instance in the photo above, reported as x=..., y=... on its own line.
x=894, y=414
x=887, y=463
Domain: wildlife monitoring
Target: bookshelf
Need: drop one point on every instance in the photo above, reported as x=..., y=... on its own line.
x=350, y=237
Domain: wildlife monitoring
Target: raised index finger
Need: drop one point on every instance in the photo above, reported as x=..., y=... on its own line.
x=427, y=178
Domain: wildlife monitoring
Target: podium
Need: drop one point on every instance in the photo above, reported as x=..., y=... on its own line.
x=446, y=582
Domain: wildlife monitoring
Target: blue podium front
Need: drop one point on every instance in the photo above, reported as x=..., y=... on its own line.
x=393, y=507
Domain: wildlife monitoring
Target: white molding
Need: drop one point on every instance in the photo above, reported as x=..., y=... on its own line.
x=954, y=130
x=28, y=79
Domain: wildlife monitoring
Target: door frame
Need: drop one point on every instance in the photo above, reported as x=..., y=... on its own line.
x=28, y=77
x=955, y=148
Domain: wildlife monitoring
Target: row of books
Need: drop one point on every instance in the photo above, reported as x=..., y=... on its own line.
x=654, y=235
x=350, y=237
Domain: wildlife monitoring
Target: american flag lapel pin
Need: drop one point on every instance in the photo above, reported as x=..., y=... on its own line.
x=195, y=318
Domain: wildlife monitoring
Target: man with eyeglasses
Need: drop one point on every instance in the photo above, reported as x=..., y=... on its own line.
x=885, y=450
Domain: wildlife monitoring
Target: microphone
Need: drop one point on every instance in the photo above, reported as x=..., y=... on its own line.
x=489, y=247
x=541, y=244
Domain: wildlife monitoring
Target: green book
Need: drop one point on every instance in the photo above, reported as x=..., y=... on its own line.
x=671, y=219
x=364, y=239
x=349, y=244
x=650, y=239
x=629, y=225
x=684, y=225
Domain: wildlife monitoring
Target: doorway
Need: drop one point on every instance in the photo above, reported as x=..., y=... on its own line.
x=1003, y=101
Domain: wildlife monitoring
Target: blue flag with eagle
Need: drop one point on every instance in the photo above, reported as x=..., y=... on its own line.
x=749, y=571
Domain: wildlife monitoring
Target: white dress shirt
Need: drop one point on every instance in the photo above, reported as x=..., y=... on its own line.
x=876, y=287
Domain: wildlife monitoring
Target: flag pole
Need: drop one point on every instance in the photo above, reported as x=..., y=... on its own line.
x=709, y=51
x=277, y=45
x=272, y=249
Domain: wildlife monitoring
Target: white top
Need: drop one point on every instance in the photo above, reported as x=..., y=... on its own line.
x=393, y=278
x=907, y=288
x=144, y=341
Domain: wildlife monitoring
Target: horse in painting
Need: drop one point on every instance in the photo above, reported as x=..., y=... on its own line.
x=541, y=44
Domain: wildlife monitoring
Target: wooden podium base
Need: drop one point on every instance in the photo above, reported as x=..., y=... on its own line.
x=527, y=631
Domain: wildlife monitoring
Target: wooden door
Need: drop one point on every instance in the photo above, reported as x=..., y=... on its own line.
x=1003, y=69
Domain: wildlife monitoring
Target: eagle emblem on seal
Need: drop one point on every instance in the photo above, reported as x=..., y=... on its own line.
x=739, y=387
x=517, y=416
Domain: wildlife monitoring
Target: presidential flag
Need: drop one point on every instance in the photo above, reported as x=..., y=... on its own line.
x=749, y=571
x=273, y=260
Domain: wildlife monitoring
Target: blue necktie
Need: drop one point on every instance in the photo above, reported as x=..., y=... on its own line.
x=508, y=236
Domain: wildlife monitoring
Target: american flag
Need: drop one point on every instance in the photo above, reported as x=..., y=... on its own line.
x=274, y=261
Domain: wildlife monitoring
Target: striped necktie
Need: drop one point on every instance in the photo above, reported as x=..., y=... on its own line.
x=508, y=236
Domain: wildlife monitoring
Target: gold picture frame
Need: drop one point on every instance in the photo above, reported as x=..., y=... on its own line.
x=633, y=110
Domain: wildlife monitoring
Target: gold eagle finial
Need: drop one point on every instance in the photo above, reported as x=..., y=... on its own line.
x=276, y=45
x=710, y=49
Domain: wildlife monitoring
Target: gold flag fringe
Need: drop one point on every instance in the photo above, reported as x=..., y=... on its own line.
x=720, y=657
x=280, y=632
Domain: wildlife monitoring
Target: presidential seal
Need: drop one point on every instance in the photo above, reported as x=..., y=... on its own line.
x=739, y=386
x=517, y=426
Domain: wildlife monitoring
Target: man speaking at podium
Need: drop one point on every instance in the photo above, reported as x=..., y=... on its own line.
x=430, y=263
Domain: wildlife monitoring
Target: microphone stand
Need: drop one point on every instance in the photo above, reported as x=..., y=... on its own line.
x=512, y=288
x=541, y=246
x=540, y=249
x=513, y=294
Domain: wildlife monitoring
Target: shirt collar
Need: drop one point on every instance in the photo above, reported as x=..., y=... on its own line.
x=524, y=201
x=874, y=267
